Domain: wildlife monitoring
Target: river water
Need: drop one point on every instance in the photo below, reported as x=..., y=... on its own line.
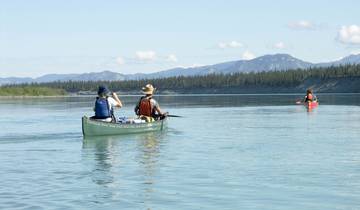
x=226, y=152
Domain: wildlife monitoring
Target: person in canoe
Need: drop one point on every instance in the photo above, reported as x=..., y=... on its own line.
x=148, y=108
x=105, y=104
x=310, y=97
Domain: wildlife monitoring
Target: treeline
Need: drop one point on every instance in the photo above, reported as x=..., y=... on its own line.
x=30, y=90
x=272, y=79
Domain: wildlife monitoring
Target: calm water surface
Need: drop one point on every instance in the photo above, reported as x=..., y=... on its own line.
x=227, y=152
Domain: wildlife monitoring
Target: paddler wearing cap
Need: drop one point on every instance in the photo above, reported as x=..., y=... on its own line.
x=105, y=104
x=148, y=108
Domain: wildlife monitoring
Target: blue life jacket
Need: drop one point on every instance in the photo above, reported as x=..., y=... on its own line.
x=102, y=108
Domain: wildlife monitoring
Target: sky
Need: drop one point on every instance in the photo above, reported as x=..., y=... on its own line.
x=40, y=37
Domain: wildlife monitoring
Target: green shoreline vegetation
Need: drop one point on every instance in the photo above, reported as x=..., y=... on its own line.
x=344, y=79
x=31, y=91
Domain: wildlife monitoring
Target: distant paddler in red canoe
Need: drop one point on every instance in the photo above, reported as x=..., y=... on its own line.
x=310, y=100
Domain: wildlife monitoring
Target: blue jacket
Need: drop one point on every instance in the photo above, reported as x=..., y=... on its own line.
x=102, y=108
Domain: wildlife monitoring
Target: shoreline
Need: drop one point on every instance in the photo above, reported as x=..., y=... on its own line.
x=173, y=95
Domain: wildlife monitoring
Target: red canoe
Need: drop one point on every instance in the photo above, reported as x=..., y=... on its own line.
x=312, y=104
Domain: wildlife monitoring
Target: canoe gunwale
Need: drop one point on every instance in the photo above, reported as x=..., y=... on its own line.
x=98, y=128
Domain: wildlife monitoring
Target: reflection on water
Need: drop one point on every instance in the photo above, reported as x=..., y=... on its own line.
x=254, y=147
x=105, y=151
x=174, y=101
x=148, y=156
x=149, y=150
x=107, y=156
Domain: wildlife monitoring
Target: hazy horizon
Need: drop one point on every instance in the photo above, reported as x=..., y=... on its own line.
x=41, y=37
x=99, y=71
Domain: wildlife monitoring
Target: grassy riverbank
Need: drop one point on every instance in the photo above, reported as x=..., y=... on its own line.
x=31, y=91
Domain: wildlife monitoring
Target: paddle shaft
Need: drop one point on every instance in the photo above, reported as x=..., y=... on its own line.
x=171, y=115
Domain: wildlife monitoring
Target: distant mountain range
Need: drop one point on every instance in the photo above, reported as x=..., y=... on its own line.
x=262, y=63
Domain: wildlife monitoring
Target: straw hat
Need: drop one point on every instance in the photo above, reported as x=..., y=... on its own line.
x=148, y=89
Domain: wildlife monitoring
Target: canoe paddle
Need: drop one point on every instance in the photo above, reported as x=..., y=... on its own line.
x=171, y=115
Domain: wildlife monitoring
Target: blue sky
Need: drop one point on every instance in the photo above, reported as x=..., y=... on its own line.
x=38, y=37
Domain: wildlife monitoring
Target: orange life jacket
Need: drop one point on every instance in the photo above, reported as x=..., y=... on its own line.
x=309, y=97
x=145, y=108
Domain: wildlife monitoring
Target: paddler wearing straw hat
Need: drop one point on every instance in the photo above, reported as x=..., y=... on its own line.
x=148, y=108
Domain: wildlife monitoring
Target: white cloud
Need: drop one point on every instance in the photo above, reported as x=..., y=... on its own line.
x=349, y=34
x=222, y=45
x=232, y=44
x=120, y=60
x=302, y=25
x=247, y=55
x=194, y=65
x=146, y=55
x=355, y=52
x=235, y=44
x=172, y=58
x=279, y=45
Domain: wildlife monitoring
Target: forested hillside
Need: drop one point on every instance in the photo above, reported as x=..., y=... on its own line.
x=323, y=79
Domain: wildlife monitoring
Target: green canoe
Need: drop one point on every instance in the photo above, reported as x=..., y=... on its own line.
x=97, y=128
